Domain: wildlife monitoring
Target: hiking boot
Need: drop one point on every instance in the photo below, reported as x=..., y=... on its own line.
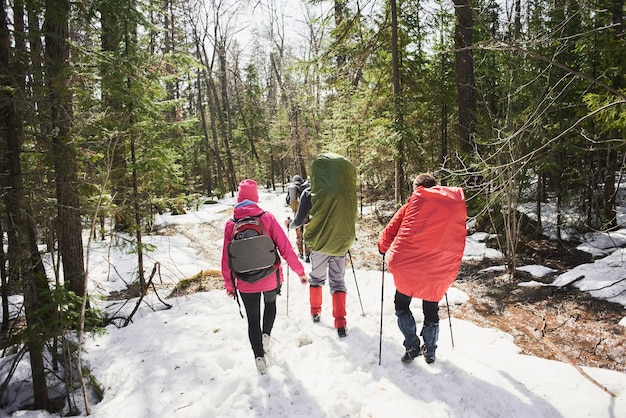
x=300, y=256
x=411, y=353
x=342, y=332
x=307, y=259
x=261, y=365
x=430, y=358
x=316, y=317
x=430, y=332
x=266, y=343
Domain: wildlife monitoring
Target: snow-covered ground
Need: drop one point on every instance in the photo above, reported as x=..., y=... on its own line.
x=195, y=360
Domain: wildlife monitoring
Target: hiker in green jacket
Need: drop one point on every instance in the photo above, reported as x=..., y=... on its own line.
x=330, y=205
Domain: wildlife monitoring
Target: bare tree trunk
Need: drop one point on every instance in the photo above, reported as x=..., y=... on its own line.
x=130, y=42
x=339, y=11
x=444, y=105
x=4, y=288
x=207, y=176
x=210, y=97
x=613, y=160
x=397, y=101
x=213, y=103
x=64, y=154
x=225, y=115
x=539, y=200
x=610, y=192
x=465, y=81
x=30, y=267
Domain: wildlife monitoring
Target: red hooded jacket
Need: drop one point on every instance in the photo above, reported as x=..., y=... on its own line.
x=425, y=241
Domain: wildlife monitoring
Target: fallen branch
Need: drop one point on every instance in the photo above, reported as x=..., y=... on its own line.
x=144, y=292
x=566, y=359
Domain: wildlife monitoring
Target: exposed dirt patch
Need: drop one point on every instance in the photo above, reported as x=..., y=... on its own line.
x=204, y=281
x=563, y=324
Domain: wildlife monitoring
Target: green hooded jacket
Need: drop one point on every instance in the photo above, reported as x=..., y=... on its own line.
x=331, y=228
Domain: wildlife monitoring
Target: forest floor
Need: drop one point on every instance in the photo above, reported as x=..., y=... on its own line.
x=563, y=324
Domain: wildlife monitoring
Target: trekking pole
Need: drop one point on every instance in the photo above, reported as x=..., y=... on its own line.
x=382, y=292
x=450, y=320
x=357, y=283
x=288, y=272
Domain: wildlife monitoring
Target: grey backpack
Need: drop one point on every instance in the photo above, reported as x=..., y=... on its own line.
x=252, y=254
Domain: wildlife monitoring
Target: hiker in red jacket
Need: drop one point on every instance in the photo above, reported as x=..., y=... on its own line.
x=425, y=240
x=247, y=199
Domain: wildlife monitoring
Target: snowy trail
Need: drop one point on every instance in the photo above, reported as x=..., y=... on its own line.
x=194, y=360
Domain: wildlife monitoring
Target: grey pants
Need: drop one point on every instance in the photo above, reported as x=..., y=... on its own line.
x=334, y=267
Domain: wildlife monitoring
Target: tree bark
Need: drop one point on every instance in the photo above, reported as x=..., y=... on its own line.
x=397, y=102
x=64, y=152
x=225, y=115
x=29, y=267
x=465, y=80
x=613, y=158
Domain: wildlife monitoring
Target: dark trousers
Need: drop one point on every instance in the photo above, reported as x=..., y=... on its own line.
x=430, y=309
x=406, y=321
x=252, y=304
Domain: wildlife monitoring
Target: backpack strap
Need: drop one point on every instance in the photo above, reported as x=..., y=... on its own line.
x=232, y=277
x=235, y=220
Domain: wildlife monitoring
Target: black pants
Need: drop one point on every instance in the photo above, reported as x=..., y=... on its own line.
x=252, y=304
x=430, y=309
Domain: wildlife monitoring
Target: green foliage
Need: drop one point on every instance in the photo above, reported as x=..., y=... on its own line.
x=609, y=111
x=68, y=308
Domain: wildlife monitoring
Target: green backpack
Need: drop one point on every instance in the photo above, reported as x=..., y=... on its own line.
x=331, y=229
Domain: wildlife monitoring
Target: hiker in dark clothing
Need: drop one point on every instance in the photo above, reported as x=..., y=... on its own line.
x=330, y=205
x=294, y=191
x=258, y=331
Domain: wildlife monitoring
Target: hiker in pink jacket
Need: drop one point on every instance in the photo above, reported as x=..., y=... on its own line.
x=259, y=333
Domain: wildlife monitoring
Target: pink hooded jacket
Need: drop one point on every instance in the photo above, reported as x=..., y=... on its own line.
x=244, y=209
x=425, y=241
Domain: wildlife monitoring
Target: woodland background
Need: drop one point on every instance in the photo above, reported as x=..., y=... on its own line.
x=114, y=110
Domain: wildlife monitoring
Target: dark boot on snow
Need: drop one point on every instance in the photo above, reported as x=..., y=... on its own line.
x=411, y=353
x=430, y=333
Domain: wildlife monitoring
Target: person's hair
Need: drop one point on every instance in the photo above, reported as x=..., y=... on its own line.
x=424, y=179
